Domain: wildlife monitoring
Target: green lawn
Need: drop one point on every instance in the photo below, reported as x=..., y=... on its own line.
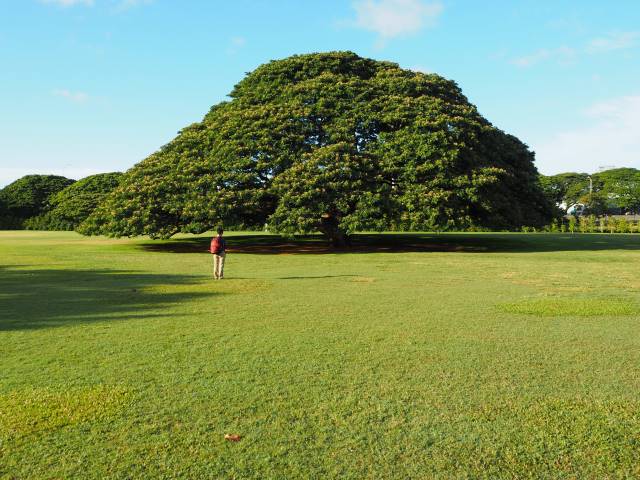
x=410, y=356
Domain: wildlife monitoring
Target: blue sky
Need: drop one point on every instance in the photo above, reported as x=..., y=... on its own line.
x=96, y=85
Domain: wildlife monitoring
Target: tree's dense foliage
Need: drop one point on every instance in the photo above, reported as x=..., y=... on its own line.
x=565, y=187
x=336, y=143
x=72, y=205
x=6, y=220
x=28, y=197
x=621, y=186
x=614, y=191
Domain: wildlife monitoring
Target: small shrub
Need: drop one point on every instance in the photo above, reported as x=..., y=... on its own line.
x=47, y=221
x=623, y=226
x=583, y=224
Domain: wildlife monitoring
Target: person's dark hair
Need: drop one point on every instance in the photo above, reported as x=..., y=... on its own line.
x=220, y=231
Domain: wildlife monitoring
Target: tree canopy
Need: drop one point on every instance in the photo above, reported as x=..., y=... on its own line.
x=69, y=207
x=28, y=197
x=615, y=189
x=565, y=187
x=331, y=142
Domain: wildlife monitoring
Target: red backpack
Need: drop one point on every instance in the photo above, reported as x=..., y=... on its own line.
x=216, y=245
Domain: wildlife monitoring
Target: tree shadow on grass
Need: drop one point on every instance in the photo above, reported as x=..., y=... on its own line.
x=407, y=242
x=32, y=299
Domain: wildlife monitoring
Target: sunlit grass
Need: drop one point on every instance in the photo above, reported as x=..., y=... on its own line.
x=570, y=306
x=409, y=356
x=33, y=411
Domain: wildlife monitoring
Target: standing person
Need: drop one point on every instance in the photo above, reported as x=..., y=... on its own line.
x=218, y=248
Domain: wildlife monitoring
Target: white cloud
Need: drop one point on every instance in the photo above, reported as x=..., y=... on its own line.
x=69, y=3
x=613, y=41
x=119, y=5
x=567, y=55
x=532, y=59
x=238, y=41
x=76, y=97
x=126, y=4
x=235, y=44
x=393, y=18
x=611, y=137
x=563, y=55
x=421, y=69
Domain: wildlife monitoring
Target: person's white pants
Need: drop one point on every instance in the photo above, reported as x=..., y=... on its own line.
x=218, y=265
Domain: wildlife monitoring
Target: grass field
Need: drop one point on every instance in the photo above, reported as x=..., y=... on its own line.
x=411, y=356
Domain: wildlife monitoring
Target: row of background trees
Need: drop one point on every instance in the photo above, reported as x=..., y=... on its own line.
x=51, y=202
x=613, y=192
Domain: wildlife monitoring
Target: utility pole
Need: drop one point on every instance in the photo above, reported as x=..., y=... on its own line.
x=590, y=210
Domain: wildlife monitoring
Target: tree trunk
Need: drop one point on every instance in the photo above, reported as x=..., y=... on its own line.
x=329, y=227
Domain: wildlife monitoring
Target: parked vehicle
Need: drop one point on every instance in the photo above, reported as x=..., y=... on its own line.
x=576, y=209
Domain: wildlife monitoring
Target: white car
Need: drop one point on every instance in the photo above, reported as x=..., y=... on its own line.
x=576, y=209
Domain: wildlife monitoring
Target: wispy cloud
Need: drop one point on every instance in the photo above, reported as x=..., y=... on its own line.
x=573, y=23
x=531, y=59
x=563, y=55
x=393, y=18
x=566, y=55
x=127, y=4
x=75, y=97
x=69, y=3
x=613, y=41
x=235, y=44
x=119, y=5
x=421, y=69
x=609, y=138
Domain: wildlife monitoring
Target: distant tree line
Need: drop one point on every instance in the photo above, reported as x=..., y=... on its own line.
x=615, y=191
x=52, y=202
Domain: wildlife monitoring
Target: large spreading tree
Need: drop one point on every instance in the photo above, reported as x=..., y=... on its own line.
x=336, y=143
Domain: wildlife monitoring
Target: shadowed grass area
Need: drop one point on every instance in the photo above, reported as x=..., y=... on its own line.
x=35, y=297
x=258, y=243
x=430, y=356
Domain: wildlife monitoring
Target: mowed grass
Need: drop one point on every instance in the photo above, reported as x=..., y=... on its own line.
x=410, y=356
